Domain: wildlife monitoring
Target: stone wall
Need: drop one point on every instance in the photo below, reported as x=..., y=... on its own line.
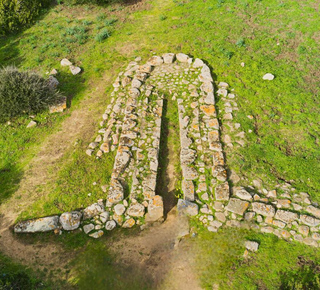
x=131, y=126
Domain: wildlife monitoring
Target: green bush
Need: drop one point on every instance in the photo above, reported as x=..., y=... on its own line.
x=24, y=93
x=15, y=14
x=74, y=2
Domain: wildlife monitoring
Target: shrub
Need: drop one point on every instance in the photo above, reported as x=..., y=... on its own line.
x=24, y=93
x=15, y=14
x=102, y=35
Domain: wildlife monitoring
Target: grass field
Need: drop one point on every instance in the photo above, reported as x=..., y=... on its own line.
x=280, y=37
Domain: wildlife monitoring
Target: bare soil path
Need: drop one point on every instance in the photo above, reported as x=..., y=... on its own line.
x=158, y=251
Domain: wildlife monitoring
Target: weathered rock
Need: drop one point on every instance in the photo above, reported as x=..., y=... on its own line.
x=237, y=206
x=119, y=209
x=70, y=220
x=110, y=225
x=155, y=209
x=309, y=221
x=129, y=223
x=45, y=224
x=242, y=193
x=187, y=207
x=59, y=107
x=182, y=57
x=65, y=62
x=222, y=191
x=155, y=60
x=32, y=124
x=75, y=70
x=136, y=210
x=268, y=77
x=88, y=228
x=168, y=57
x=198, y=63
x=263, y=209
x=313, y=210
x=188, y=189
x=53, y=83
x=104, y=216
x=252, y=246
x=97, y=234
x=189, y=173
x=92, y=210
x=116, y=192
x=286, y=216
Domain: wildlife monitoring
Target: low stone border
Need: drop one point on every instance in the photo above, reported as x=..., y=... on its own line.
x=131, y=126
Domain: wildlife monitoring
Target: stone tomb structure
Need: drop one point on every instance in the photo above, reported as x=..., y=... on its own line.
x=131, y=126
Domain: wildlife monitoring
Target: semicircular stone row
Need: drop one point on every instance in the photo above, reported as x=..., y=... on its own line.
x=131, y=126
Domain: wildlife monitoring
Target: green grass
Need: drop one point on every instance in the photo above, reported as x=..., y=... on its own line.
x=277, y=264
x=16, y=276
x=280, y=37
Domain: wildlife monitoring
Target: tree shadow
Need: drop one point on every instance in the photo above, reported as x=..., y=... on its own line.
x=10, y=176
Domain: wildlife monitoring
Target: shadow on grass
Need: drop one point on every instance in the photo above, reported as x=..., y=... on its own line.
x=97, y=268
x=10, y=176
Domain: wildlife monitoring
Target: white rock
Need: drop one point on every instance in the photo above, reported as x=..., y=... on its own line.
x=75, y=70
x=97, y=234
x=32, y=124
x=88, y=228
x=119, y=209
x=268, y=77
x=65, y=62
x=70, y=220
x=251, y=246
x=38, y=225
x=182, y=57
x=110, y=225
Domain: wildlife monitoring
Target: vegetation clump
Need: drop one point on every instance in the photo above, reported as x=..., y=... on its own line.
x=15, y=14
x=23, y=92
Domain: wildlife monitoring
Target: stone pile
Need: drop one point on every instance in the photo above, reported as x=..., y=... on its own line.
x=131, y=127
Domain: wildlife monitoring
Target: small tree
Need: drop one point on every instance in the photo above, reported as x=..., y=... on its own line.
x=24, y=93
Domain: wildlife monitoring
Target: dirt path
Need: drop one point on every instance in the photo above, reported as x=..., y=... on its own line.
x=158, y=251
x=80, y=123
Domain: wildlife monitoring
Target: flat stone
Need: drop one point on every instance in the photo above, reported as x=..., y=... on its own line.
x=110, y=225
x=136, y=210
x=70, y=220
x=182, y=57
x=252, y=246
x=313, y=210
x=188, y=189
x=310, y=242
x=222, y=191
x=116, y=192
x=119, y=209
x=155, y=60
x=304, y=230
x=65, y=62
x=286, y=216
x=104, y=216
x=268, y=77
x=44, y=224
x=75, y=70
x=242, y=193
x=155, y=209
x=220, y=217
x=168, y=57
x=237, y=206
x=248, y=216
x=198, y=63
x=59, y=107
x=309, y=221
x=88, y=228
x=129, y=223
x=92, y=210
x=263, y=209
x=32, y=124
x=97, y=234
x=187, y=207
x=189, y=173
